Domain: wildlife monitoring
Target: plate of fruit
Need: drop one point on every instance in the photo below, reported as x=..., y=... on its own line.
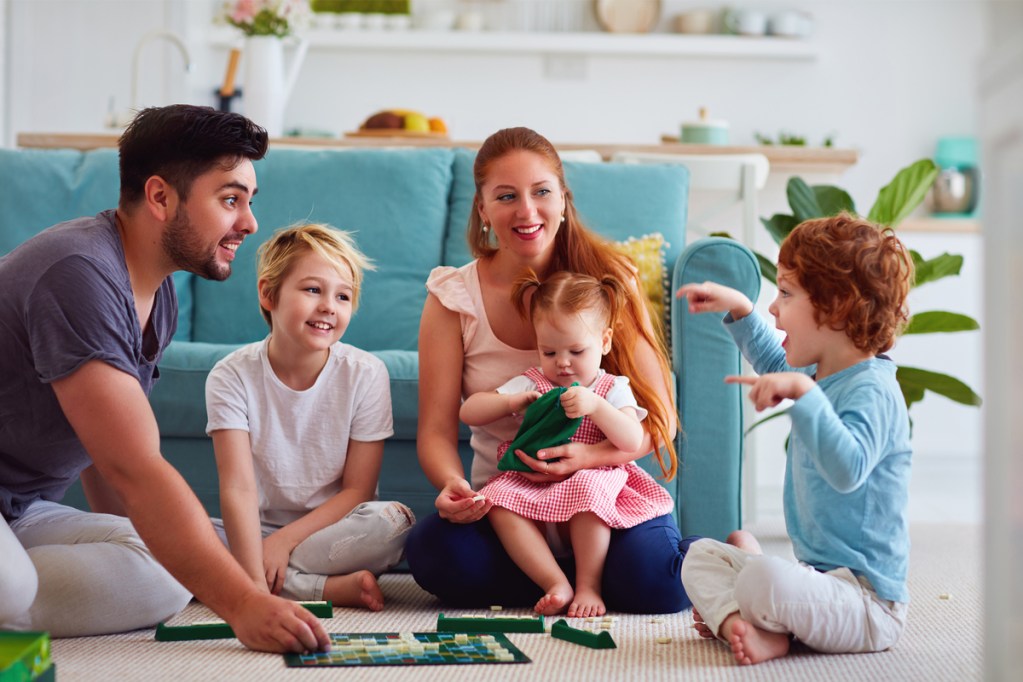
x=401, y=123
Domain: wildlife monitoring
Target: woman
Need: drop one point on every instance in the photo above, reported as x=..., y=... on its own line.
x=471, y=339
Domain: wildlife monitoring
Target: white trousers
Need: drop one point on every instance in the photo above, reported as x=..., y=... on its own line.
x=74, y=573
x=371, y=537
x=833, y=612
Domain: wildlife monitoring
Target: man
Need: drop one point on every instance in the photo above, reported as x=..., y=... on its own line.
x=87, y=310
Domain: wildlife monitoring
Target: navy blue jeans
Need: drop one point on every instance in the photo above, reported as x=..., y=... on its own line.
x=465, y=565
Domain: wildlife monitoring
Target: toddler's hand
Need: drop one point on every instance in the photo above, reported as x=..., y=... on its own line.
x=579, y=401
x=770, y=389
x=710, y=297
x=518, y=402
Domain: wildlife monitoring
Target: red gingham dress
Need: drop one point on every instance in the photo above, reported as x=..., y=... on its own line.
x=622, y=496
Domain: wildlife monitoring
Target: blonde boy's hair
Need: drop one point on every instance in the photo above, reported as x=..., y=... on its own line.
x=277, y=254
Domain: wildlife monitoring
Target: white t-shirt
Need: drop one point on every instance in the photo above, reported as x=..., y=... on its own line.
x=299, y=439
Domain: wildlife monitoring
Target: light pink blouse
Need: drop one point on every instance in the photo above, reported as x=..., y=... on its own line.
x=488, y=361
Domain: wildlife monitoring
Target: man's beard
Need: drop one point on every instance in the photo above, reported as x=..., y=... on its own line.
x=185, y=249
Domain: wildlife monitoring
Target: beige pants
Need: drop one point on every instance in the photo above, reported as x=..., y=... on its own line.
x=371, y=537
x=74, y=573
x=833, y=612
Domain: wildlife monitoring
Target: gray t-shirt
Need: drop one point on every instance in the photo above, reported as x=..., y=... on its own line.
x=66, y=300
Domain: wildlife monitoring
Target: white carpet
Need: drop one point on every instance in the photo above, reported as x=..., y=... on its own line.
x=942, y=640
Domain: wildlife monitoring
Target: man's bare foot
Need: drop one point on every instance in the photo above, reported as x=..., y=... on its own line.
x=701, y=627
x=752, y=645
x=744, y=540
x=586, y=603
x=359, y=589
x=555, y=601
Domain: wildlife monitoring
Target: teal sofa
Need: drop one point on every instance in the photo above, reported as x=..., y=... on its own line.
x=408, y=209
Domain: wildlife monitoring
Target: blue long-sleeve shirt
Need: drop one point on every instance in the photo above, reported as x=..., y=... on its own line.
x=847, y=464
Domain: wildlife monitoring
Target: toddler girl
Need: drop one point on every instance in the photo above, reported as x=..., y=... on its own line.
x=573, y=316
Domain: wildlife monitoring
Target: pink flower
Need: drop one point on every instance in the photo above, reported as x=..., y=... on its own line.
x=244, y=11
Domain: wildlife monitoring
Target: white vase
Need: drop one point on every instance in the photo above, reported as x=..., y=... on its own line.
x=266, y=87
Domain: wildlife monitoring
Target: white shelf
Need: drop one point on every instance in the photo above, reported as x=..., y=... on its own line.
x=590, y=43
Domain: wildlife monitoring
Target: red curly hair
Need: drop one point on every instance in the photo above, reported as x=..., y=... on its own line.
x=857, y=274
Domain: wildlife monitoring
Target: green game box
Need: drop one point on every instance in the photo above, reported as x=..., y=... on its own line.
x=25, y=656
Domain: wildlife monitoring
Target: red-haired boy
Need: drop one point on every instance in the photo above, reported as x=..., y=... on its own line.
x=842, y=286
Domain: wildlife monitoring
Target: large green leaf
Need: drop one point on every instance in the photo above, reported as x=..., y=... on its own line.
x=779, y=225
x=935, y=268
x=897, y=199
x=914, y=381
x=768, y=270
x=803, y=200
x=934, y=321
x=833, y=200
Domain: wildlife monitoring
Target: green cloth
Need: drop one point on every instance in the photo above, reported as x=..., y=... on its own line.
x=544, y=425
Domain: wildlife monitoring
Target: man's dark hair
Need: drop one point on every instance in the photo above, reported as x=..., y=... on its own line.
x=179, y=143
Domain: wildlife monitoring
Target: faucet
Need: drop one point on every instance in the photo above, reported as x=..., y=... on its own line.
x=149, y=37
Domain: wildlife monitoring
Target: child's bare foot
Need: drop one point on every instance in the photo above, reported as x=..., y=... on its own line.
x=701, y=627
x=744, y=540
x=752, y=645
x=359, y=589
x=555, y=601
x=586, y=603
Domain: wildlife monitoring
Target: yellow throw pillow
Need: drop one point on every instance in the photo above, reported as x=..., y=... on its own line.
x=647, y=254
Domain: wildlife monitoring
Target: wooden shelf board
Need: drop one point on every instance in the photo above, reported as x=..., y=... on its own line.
x=795, y=159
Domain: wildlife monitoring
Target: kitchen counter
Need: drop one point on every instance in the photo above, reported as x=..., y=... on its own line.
x=785, y=159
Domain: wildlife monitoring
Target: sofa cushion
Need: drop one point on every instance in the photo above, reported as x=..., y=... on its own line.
x=385, y=197
x=40, y=188
x=647, y=253
x=605, y=196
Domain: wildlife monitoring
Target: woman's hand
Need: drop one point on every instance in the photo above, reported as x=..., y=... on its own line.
x=276, y=555
x=457, y=502
x=570, y=458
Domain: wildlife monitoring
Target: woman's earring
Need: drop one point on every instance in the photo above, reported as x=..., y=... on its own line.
x=562, y=217
x=486, y=228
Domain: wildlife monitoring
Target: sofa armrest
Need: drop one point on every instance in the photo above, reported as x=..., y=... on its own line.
x=710, y=443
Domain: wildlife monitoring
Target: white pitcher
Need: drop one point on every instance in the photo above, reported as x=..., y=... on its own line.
x=266, y=88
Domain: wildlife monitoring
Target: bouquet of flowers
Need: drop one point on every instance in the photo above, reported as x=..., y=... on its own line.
x=265, y=17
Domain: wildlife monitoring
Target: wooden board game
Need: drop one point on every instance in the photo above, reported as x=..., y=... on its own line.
x=415, y=648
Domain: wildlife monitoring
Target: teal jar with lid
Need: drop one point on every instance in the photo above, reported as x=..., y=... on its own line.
x=705, y=130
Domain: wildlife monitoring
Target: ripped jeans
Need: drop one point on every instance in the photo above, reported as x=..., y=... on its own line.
x=371, y=537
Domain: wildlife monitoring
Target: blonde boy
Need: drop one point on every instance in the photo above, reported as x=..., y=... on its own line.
x=298, y=423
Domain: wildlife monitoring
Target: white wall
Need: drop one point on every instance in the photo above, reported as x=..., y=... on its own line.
x=891, y=76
